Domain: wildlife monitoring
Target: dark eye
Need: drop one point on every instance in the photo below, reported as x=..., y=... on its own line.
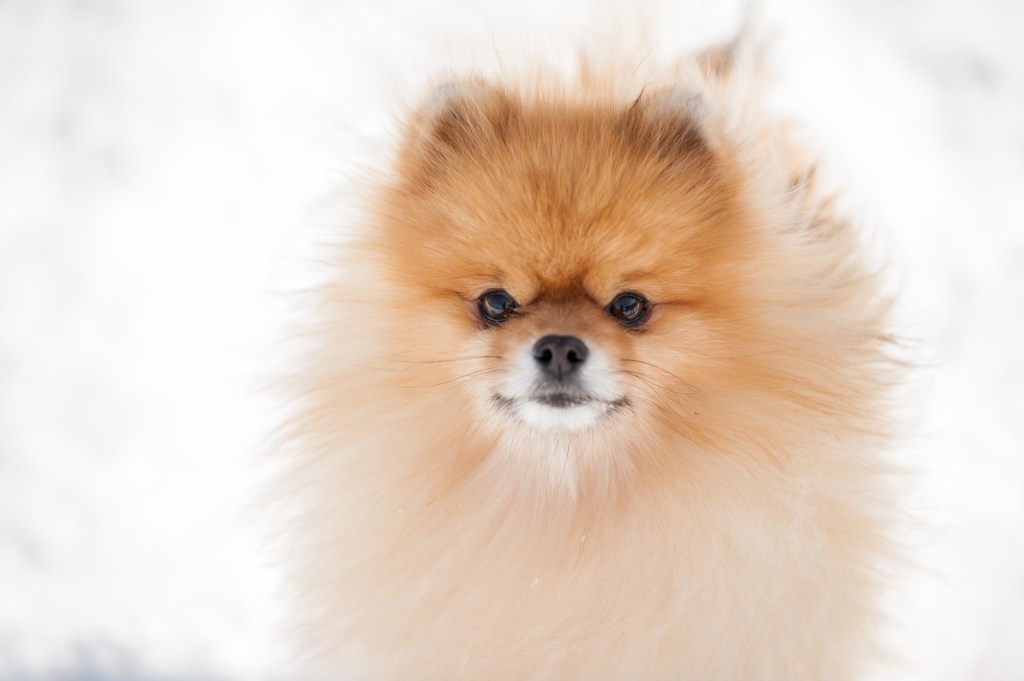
x=628, y=308
x=496, y=306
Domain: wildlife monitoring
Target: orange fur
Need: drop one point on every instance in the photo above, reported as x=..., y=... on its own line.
x=727, y=525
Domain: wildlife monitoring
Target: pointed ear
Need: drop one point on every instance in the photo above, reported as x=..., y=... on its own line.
x=719, y=61
x=462, y=116
x=745, y=51
x=457, y=120
x=670, y=123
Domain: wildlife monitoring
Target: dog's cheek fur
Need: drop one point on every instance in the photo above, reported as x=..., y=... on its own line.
x=729, y=529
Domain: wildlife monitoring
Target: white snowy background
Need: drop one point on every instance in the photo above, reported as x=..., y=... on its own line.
x=165, y=168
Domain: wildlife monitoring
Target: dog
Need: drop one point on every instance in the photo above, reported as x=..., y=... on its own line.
x=598, y=390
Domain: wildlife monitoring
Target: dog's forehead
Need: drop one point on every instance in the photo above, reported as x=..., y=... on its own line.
x=571, y=207
x=574, y=276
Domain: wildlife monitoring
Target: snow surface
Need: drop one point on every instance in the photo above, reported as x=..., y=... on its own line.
x=166, y=167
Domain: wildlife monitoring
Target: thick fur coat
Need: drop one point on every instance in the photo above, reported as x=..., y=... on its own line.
x=724, y=517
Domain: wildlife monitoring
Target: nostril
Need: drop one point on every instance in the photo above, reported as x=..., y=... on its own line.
x=575, y=350
x=560, y=356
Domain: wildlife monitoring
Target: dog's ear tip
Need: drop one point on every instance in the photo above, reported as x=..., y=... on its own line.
x=671, y=120
x=452, y=93
x=678, y=101
x=456, y=118
x=462, y=113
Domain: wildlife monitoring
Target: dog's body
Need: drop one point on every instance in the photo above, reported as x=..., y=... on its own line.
x=597, y=394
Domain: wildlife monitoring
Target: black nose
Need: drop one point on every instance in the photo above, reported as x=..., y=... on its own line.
x=560, y=356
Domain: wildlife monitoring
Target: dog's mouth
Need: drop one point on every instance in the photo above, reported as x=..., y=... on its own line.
x=560, y=401
x=567, y=398
x=563, y=400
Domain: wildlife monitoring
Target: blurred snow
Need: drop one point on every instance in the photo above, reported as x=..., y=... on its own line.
x=165, y=169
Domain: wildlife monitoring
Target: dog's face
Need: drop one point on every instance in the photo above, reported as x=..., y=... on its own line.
x=574, y=268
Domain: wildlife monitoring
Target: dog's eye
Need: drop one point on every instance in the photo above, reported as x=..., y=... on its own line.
x=496, y=306
x=628, y=308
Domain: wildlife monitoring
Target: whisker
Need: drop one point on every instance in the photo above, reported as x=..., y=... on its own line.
x=512, y=442
x=675, y=413
x=760, y=354
x=586, y=447
x=653, y=383
x=565, y=464
x=439, y=361
x=659, y=368
x=453, y=380
x=414, y=363
x=665, y=403
x=652, y=364
x=682, y=434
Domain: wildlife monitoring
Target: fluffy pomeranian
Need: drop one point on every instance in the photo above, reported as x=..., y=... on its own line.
x=597, y=392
